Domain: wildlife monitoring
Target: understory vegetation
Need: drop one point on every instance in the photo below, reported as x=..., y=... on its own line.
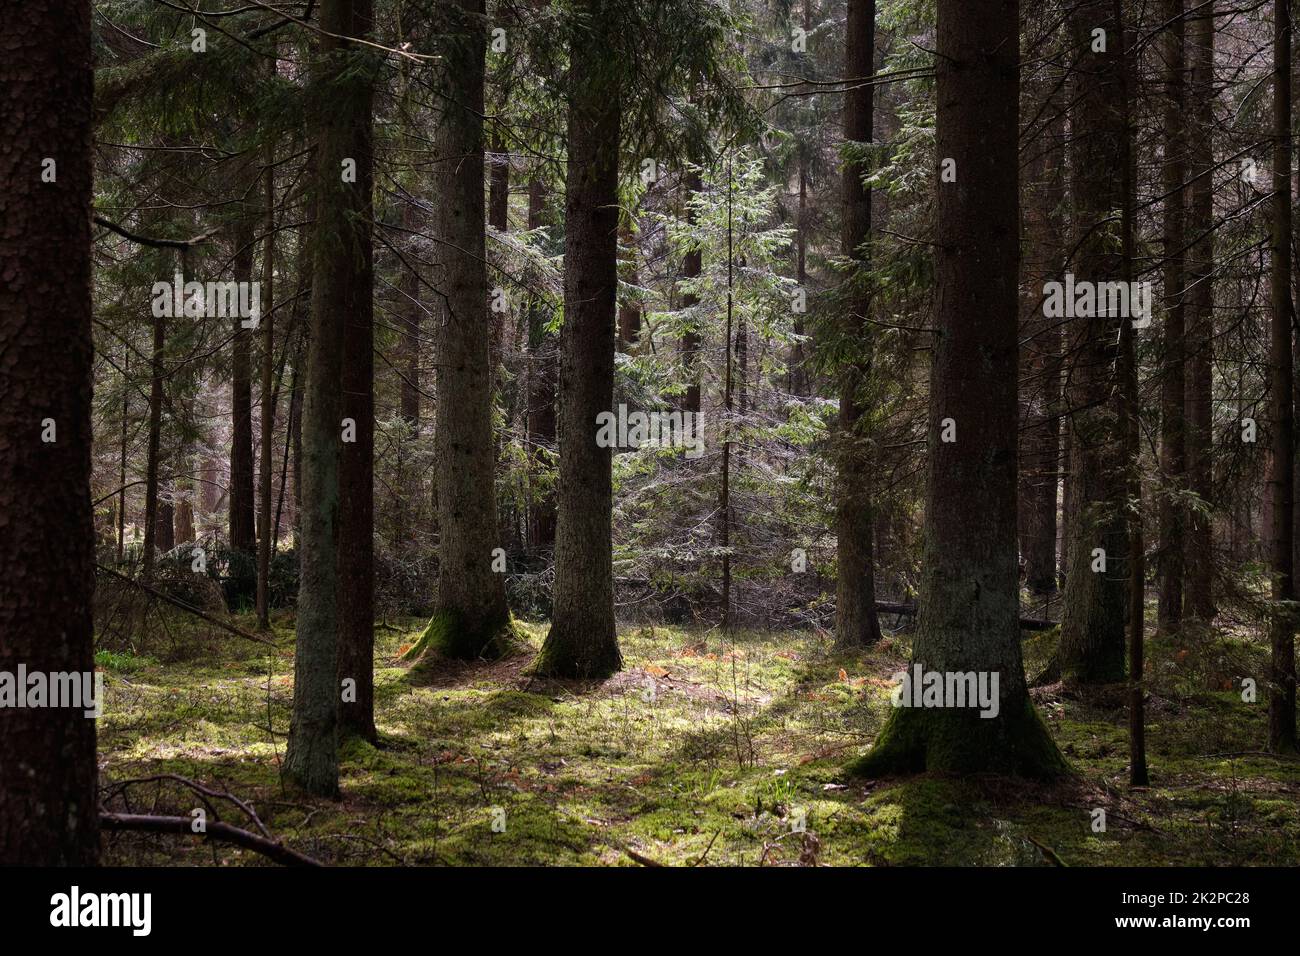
x=705, y=750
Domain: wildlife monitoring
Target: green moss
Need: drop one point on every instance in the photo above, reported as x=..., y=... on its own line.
x=917, y=739
x=703, y=747
x=447, y=636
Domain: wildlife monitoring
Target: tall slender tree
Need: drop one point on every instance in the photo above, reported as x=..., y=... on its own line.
x=582, y=641
x=1091, y=648
x=1198, y=595
x=969, y=617
x=1282, y=669
x=856, y=623
x=1173, y=440
x=243, y=532
x=341, y=124
x=471, y=619
x=356, y=557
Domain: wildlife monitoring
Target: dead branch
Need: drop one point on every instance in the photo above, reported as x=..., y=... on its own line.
x=214, y=831
x=185, y=607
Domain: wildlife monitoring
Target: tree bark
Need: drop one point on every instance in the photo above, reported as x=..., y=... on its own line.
x=970, y=578
x=1282, y=668
x=856, y=624
x=356, y=564
x=582, y=641
x=267, y=301
x=1198, y=595
x=1092, y=646
x=48, y=811
x=340, y=290
x=471, y=619
x=1040, y=437
x=243, y=534
x=1173, y=448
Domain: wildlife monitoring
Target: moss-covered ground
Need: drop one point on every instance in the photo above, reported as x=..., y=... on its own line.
x=705, y=750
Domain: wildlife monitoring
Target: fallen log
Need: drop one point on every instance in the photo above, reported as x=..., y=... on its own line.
x=213, y=831
x=1026, y=623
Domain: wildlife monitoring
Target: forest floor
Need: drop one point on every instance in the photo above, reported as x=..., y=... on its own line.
x=703, y=751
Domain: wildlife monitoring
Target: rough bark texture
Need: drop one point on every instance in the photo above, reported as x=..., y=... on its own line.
x=268, y=396
x=970, y=579
x=582, y=641
x=1173, y=449
x=1282, y=676
x=243, y=534
x=356, y=557
x=341, y=253
x=1091, y=649
x=48, y=804
x=1040, y=435
x=856, y=623
x=1198, y=594
x=471, y=619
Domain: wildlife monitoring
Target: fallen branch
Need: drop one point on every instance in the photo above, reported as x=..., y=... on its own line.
x=1047, y=851
x=641, y=857
x=185, y=607
x=1026, y=623
x=214, y=831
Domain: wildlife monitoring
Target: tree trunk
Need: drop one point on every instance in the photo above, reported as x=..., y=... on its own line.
x=969, y=618
x=856, y=623
x=471, y=619
x=122, y=448
x=1282, y=677
x=48, y=804
x=1092, y=643
x=340, y=291
x=356, y=535
x=1128, y=375
x=1198, y=595
x=1040, y=437
x=1173, y=449
x=243, y=534
x=582, y=641
x=155, y=437
x=267, y=300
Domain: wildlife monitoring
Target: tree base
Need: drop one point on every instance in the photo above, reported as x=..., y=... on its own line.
x=577, y=658
x=312, y=771
x=915, y=740
x=447, y=636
